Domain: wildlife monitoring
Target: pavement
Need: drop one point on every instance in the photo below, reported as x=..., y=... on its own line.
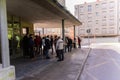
x=103, y=62
x=42, y=69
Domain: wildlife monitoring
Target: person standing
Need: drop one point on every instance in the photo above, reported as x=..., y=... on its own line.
x=37, y=45
x=25, y=45
x=60, y=48
x=79, y=42
x=55, y=42
x=69, y=44
x=47, y=47
x=51, y=44
x=31, y=46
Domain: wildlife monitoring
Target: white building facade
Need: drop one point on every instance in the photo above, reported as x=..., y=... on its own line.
x=100, y=18
x=62, y=2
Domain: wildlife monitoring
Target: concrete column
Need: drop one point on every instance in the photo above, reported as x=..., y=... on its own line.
x=63, y=29
x=74, y=37
x=43, y=31
x=74, y=32
x=4, y=35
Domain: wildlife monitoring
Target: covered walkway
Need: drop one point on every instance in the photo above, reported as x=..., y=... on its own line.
x=40, y=69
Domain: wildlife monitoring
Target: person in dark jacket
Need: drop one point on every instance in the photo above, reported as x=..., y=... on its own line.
x=25, y=45
x=51, y=43
x=47, y=47
x=79, y=42
x=69, y=44
x=31, y=46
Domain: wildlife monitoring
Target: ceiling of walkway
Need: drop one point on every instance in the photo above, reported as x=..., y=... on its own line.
x=43, y=12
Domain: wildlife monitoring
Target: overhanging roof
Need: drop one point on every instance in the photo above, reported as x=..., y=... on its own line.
x=47, y=13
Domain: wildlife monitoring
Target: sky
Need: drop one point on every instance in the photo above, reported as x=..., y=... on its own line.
x=70, y=4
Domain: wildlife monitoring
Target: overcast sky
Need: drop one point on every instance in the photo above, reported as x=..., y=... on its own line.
x=70, y=4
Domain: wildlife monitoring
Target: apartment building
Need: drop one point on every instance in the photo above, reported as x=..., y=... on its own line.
x=62, y=2
x=100, y=18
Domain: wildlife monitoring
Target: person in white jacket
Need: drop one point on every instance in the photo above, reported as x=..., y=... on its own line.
x=60, y=48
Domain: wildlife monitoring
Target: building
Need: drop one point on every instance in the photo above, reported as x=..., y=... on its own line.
x=62, y=2
x=98, y=18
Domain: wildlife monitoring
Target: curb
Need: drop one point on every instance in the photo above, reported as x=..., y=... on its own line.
x=83, y=65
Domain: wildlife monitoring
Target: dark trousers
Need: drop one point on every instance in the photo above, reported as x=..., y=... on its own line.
x=69, y=47
x=25, y=51
x=31, y=52
x=65, y=49
x=79, y=45
x=60, y=54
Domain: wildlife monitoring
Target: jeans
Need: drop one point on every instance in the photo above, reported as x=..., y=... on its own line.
x=60, y=55
x=46, y=53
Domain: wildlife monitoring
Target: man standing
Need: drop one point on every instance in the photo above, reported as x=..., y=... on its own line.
x=79, y=42
x=31, y=46
x=47, y=47
x=60, y=48
x=25, y=45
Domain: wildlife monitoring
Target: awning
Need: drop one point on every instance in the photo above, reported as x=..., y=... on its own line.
x=45, y=13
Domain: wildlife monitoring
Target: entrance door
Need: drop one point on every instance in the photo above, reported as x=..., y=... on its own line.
x=14, y=37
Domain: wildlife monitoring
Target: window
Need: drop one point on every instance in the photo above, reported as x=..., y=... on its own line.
x=112, y=11
x=97, y=6
x=96, y=30
x=89, y=17
x=104, y=22
x=111, y=30
x=89, y=8
x=111, y=22
x=82, y=31
x=81, y=16
x=97, y=22
x=89, y=24
x=97, y=13
x=104, y=30
x=81, y=9
x=111, y=4
x=111, y=16
x=104, y=5
x=104, y=12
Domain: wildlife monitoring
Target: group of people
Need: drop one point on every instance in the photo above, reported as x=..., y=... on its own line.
x=37, y=45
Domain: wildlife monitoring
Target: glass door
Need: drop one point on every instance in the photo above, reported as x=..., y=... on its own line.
x=14, y=36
